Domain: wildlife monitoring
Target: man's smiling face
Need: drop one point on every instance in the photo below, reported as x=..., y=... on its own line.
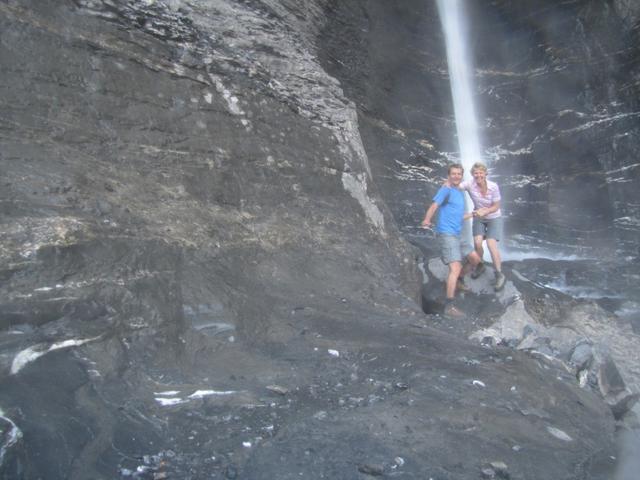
x=455, y=176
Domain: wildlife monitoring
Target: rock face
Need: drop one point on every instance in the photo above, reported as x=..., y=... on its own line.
x=557, y=92
x=201, y=271
x=558, y=98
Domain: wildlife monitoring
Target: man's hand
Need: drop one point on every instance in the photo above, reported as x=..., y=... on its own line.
x=431, y=211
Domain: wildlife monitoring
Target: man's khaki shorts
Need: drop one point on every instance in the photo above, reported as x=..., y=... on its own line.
x=453, y=248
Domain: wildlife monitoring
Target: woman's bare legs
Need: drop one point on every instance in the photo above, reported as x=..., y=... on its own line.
x=492, y=245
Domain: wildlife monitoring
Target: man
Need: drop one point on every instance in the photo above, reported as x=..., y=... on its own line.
x=453, y=249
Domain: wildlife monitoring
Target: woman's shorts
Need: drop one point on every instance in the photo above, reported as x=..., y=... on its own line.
x=453, y=249
x=488, y=228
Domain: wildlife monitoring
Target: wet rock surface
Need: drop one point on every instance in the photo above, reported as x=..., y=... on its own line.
x=202, y=274
x=556, y=90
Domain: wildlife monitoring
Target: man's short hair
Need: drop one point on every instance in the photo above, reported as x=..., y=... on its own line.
x=454, y=165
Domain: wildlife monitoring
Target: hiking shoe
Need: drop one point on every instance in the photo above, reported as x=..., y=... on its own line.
x=461, y=286
x=451, y=311
x=500, y=281
x=479, y=270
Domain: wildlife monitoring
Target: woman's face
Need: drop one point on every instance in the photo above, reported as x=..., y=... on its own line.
x=479, y=175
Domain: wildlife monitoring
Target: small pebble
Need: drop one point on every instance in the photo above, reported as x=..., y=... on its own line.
x=231, y=472
x=371, y=469
x=277, y=389
x=488, y=473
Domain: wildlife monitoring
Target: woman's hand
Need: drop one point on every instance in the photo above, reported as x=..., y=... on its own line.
x=481, y=212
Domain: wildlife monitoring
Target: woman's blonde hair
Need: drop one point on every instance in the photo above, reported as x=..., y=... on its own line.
x=479, y=166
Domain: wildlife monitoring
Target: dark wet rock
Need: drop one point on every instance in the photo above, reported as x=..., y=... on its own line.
x=488, y=472
x=609, y=378
x=501, y=469
x=374, y=470
x=582, y=339
x=231, y=472
x=623, y=404
x=614, y=389
x=581, y=356
x=103, y=207
x=495, y=470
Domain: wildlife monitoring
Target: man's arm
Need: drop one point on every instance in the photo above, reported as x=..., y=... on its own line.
x=431, y=211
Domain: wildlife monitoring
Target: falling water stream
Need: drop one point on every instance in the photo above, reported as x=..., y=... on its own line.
x=453, y=18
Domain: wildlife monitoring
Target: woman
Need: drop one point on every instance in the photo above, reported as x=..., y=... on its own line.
x=487, y=220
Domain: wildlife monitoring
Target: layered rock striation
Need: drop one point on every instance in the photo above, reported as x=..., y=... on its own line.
x=557, y=96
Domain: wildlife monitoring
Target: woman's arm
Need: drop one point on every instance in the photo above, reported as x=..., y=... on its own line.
x=482, y=212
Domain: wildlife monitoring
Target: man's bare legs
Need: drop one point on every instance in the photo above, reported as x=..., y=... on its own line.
x=471, y=262
x=456, y=272
x=452, y=279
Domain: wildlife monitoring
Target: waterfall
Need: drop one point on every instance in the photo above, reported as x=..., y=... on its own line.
x=453, y=23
